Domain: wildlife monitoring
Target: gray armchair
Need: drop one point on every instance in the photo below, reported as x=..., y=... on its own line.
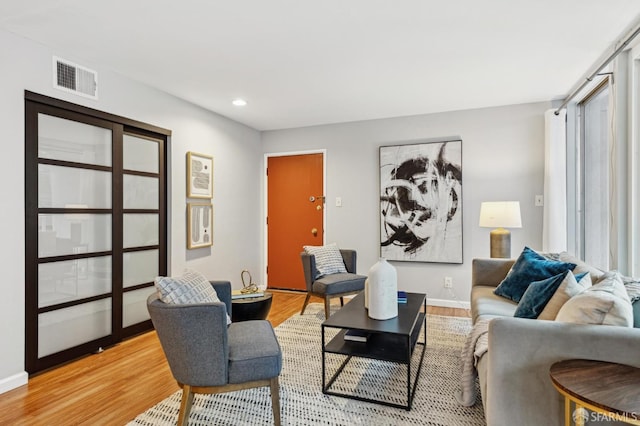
x=207, y=356
x=334, y=285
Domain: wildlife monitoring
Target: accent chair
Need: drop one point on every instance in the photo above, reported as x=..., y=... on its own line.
x=332, y=285
x=207, y=356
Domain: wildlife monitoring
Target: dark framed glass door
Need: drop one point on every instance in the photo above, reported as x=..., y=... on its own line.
x=95, y=228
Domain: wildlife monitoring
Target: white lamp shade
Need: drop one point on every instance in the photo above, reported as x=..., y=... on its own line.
x=500, y=214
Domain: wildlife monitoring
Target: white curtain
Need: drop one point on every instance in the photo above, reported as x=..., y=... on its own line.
x=554, y=224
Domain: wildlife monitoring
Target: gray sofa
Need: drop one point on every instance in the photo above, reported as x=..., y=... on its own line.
x=514, y=372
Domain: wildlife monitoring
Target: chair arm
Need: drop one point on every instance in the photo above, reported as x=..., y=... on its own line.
x=309, y=269
x=489, y=272
x=350, y=259
x=223, y=289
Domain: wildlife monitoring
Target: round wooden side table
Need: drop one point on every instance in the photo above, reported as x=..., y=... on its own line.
x=605, y=388
x=251, y=308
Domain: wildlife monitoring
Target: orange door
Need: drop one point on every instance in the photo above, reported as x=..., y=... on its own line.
x=295, y=203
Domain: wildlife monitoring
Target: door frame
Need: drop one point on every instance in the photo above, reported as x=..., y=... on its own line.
x=265, y=191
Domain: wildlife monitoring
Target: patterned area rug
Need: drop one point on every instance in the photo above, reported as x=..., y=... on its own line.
x=301, y=398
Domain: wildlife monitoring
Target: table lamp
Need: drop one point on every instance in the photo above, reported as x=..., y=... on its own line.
x=500, y=215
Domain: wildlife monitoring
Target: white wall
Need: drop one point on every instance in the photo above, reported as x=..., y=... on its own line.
x=502, y=159
x=237, y=158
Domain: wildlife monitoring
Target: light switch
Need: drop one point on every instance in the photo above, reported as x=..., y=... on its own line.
x=338, y=201
x=539, y=201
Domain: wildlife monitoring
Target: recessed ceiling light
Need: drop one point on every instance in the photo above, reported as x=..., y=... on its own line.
x=239, y=102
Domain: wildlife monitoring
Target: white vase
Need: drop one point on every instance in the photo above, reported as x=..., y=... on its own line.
x=366, y=293
x=382, y=291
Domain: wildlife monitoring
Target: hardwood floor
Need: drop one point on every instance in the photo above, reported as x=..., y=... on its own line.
x=116, y=385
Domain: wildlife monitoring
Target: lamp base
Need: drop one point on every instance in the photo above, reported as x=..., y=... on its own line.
x=500, y=243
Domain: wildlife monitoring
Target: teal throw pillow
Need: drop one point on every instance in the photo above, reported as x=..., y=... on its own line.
x=538, y=294
x=529, y=267
x=636, y=314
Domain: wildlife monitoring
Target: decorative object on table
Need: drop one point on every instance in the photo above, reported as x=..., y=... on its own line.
x=366, y=293
x=249, y=288
x=320, y=266
x=199, y=225
x=238, y=294
x=199, y=175
x=421, y=202
x=500, y=215
x=383, y=291
x=356, y=336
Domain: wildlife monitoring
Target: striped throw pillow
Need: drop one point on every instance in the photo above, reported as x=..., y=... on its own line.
x=328, y=259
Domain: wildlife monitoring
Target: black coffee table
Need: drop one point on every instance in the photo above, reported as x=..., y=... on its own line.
x=391, y=340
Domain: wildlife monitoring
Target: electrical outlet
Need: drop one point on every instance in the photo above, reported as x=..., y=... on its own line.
x=448, y=282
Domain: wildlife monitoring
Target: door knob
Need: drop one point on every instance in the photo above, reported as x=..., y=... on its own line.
x=314, y=231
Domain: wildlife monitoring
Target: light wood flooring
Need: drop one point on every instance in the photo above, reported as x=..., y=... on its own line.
x=113, y=387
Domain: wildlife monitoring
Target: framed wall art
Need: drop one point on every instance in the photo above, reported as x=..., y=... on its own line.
x=199, y=225
x=199, y=175
x=421, y=202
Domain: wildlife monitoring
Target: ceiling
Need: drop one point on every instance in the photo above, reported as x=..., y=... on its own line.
x=301, y=63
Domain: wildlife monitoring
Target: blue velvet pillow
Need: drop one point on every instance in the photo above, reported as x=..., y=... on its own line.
x=529, y=267
x=538, y=294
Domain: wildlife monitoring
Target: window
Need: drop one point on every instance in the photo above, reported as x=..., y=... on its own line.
x=593, y=236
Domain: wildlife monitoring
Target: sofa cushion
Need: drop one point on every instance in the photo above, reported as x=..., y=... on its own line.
x=486, y=304
x=537, y=295
x=328, y=259
x=581, y=267
x=604, y=303
x=571, y=285
x=529, y=267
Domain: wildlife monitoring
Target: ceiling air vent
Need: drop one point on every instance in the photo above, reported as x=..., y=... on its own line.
x=75, y=78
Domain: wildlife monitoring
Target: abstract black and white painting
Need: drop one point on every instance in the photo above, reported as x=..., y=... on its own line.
x=421, y=202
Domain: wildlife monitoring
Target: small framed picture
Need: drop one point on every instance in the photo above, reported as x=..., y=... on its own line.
x=199, y=175
x=199, y=225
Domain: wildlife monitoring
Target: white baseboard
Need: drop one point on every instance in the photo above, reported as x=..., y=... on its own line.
x=12, y=382
x=448, y=303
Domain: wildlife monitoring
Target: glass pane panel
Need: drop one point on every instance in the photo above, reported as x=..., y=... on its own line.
x=61, y=139
x=140, y=154
x=140, y=192
x=73, y=233
x=67, y=186
x=66, y=328
x=139, y=267
x=135, y=306
x=60, y=282
x=596, y=181
x=140, y=230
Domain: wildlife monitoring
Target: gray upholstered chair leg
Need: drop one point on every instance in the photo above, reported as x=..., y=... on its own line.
x=306, y=302
x=275, y=401
x=185, y=405
x=327, y=307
